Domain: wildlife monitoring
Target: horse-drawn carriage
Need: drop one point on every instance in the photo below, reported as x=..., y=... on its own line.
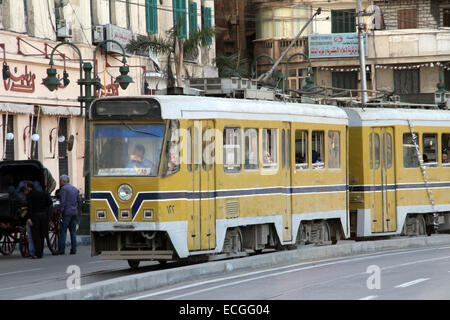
x=12, y=221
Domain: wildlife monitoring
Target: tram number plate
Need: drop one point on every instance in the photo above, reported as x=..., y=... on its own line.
x=171, y=209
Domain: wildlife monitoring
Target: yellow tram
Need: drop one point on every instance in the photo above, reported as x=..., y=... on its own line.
x=399, y=171
x=177, y=177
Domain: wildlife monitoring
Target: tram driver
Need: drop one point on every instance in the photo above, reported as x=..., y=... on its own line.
x=137, y=160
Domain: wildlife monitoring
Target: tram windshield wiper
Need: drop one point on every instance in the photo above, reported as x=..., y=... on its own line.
x=139, y=131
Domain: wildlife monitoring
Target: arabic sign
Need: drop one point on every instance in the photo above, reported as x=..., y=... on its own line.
x=335, y=45
x=121, y=35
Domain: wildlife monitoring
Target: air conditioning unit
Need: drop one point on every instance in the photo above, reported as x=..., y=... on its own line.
x=64, y=28
x=98, y=34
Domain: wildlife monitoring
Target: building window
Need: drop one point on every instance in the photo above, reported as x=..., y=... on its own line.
x=334, y=157
x=409, y=151
x=206, y=21
x=343, y=21
x=63, y=160
x=446, y=18
x=151, y=16
x=406, y=81
x=301, y=149
x=192, y=16
x=179, y=17
x=232, y=150
x=429, y=149
x=251, y=149
x=269, y=148
x=407, y=18
x=345, y=80
x=8, y=144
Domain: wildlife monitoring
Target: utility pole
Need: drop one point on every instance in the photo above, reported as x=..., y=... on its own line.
x=362, y=57
x=264, y=77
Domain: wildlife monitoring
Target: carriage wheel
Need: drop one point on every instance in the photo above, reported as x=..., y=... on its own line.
x=53, y=231
x=7, y=243
x=23, y=243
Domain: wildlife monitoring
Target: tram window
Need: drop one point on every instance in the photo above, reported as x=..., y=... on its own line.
x=429, y=149
x=446, y=150
x=334, y=150
x=282, y=148
x=269, y=148
x=232, y=150
x=172, y=156
x=409, y=151
x=189, y=148
x=389, y=150
x=250, y=149
x=288, y=149
x=207, y=149
x=376, y=149
x=301, y=149
x=317, y=149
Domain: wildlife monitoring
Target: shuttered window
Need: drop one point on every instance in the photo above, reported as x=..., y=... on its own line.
x=406, y=81
x=63, y=161
x=192, y=16
x=179, y=17
x=151, y=16
x=345, y=80
x=207, y=21
x=343, y=21
x=407, y=18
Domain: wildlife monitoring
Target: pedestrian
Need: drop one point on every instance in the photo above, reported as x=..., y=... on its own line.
x=38, y=205
x=69, y=205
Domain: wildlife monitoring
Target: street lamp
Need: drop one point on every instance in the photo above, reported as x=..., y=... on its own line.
x=441, y=96
x=85, y=98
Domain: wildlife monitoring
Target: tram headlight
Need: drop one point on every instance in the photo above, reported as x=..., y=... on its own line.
x=124, y=192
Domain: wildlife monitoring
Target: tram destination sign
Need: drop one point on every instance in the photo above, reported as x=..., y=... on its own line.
x=335, y=45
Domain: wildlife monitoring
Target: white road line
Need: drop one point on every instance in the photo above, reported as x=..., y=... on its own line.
x=369, y=298
x=365, y=257
x=407, y=284
x=22, y=271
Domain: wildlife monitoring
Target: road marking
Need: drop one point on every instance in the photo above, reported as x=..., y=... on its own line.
x=339, y=261
x=369, y=298
x=407, y=284
x=15, y=272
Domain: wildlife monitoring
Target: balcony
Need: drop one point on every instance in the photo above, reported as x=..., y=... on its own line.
x=275, y=47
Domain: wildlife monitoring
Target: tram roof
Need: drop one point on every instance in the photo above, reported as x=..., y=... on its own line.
x=194, y=107
x=358, y=117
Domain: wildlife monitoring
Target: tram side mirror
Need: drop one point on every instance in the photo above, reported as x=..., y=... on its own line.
x=70, y=142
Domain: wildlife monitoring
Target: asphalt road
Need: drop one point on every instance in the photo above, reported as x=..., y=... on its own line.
x=23, y=277
x=417, y=274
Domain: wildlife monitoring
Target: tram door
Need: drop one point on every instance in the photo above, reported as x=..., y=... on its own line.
x=382, y=171
x=201, y=219
x=286, y=174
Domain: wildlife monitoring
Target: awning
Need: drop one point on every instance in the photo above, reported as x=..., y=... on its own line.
x=60, y=111
x=16, y=108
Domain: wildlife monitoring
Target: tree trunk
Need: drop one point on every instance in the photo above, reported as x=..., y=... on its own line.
x=178, y=60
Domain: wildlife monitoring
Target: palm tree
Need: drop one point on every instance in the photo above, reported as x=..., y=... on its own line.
x=174, y=45
x=231, y=66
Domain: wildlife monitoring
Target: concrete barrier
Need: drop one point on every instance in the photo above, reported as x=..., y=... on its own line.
x=155, y=279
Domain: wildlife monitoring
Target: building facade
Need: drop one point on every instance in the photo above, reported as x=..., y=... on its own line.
x=49, y=126
x=407, y=44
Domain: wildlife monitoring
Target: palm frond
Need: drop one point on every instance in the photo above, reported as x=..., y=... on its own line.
x=198, y=37
x=154, y=43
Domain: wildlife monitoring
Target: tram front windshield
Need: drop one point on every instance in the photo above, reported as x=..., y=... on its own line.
x=127, y=149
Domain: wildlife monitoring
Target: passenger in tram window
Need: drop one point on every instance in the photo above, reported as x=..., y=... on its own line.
x=444, y=156
x=137, y=159
x=315, y=157
x=267, y=158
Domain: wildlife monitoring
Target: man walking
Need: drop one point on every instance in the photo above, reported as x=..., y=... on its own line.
x=38, y=204
x=70, y=201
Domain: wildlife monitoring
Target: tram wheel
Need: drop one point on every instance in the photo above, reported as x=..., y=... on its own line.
x=134, y=264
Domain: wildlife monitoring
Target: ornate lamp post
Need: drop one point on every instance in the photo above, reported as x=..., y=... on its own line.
x=441, y=96
x=85, y=98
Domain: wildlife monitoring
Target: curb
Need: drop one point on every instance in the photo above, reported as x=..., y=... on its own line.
x=150, y=280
